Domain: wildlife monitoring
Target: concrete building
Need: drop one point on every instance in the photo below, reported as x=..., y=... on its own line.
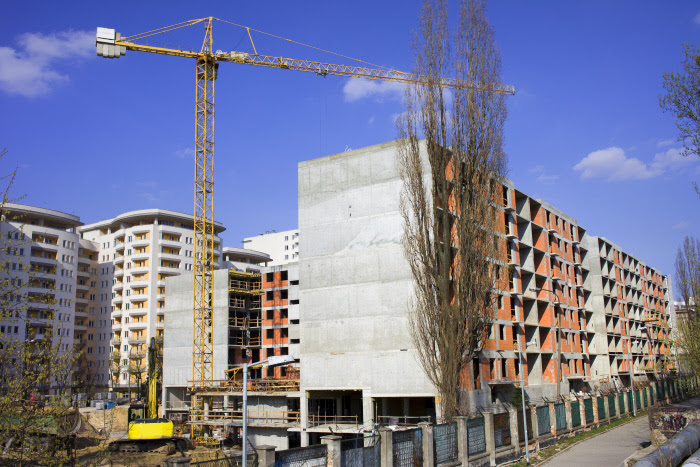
x=49, y=273
x=283, y=247
x=137, y=251
x=359, y=364
x=256, y=316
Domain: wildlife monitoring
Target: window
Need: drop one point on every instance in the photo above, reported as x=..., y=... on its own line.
x=270, y=334
x=270, y=314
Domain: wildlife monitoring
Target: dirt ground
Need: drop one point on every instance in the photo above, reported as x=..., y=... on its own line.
x=92, y=444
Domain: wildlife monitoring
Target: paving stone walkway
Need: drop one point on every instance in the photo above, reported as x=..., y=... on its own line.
x=608, y=449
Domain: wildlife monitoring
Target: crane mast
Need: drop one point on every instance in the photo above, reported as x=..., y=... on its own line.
x=110, y=44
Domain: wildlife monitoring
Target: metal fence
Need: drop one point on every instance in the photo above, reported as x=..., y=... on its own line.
x=361, y=452
x=611, y=405
x=630, y=405
x=235, y=461
x=601, y=408
x=445, y=443
x=543, y=423
x=312, y=456
x=501, y=429
x=575, y=414
x=521, y=427
x=644, y=397
x=621, y=402
x=407, y=448
x=638, y=399
x=588, y=410
x=560, y=416
x=476, y=436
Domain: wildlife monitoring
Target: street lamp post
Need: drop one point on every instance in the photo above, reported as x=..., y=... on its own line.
x=271, y=361
x=522, y=395
x=634, y=401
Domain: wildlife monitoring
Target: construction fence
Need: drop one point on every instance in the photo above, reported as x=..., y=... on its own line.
x=491, y=438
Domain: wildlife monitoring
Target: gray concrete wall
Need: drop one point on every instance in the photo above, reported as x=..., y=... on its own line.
x=177, y=340
x=355, y=284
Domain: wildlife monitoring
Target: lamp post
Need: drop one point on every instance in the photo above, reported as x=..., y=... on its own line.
x=634, y=401
x=522, y=395
x=271, y=361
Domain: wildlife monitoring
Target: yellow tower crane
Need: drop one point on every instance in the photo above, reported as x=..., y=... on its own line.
x=110, y=44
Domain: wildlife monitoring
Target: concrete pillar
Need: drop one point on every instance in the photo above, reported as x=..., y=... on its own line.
x=206, y=407
x=304, y=417
x=535, y=424
x=514, y=434
x=582, y=412
x=387, y=448
x=332, y=443
x=552, y=419
x=428, y=451
x=462, y=445
x=490, y=438
x=595, y=410
x=226, y=407
x=385, y=407
x=266, y=455
x=569, y=420
x=367, y=409
x=405, y=406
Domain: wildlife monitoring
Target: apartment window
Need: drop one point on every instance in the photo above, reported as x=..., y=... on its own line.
x=286, y=247
x=269, y=295
x=270, y=314
x=286, y=256
x=286, y=238
x=270, y=276
x=270, y=334
x=503, y=332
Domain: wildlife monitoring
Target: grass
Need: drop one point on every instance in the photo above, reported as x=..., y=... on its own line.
x=551, y=451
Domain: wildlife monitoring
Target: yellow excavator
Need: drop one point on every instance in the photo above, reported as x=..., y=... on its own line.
x=145, y=431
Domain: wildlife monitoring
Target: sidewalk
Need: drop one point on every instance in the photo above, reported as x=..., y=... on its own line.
x=608, y=449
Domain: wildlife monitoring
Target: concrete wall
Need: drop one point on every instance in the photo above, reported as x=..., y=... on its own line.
x=177, y=341
x=355, y=285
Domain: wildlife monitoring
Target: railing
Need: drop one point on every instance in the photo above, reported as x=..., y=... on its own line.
x=318, y=420
x=275, y=417
x=391, y=420
x=254, y=385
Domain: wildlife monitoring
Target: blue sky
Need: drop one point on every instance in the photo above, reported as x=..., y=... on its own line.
x=98, y=137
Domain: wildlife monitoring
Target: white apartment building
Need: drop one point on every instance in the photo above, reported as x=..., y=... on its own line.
x=47, y=269
x=283, y=247
x=138, y=250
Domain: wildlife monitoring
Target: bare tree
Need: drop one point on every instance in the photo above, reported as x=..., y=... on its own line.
x=449, y=215
x=688, y=286
x=682, y=99
x=36, y=373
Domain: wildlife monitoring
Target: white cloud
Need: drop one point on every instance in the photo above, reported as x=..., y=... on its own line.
x=371, y=120
x=613, y=164
x=358, y=88
x=184, y=152
x=696, y=20
x=665, y=142
x=542, y=176
x=30, y=70
x=681, y=226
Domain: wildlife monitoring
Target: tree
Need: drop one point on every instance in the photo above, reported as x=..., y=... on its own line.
x=36, y=374
x=682, y=99
x=688, y=317
x=447, y=206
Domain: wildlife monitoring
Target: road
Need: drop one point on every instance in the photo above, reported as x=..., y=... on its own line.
x=608, y=449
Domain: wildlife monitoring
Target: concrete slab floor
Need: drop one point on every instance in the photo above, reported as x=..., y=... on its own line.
x=608, y=449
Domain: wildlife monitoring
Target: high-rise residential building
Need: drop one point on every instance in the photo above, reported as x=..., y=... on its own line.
x=283, y=247
x=137, y=251
x=49, y=273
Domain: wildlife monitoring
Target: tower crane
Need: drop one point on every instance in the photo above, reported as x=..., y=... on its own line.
x=110, y=44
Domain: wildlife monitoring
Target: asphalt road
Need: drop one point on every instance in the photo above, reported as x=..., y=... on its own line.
x=608, y=449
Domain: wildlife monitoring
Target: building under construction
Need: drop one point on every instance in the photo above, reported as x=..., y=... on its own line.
x=256, y=316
